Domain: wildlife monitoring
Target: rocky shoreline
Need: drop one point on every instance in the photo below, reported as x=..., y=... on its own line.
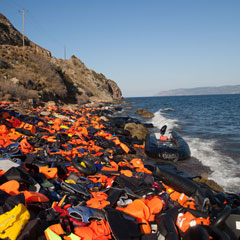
x=192, y=166
x=79, y=168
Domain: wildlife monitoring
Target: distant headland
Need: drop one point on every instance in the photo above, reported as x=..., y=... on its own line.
x=228, y=89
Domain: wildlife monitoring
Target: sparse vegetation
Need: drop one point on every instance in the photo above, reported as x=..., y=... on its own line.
x=13, y=91
x=32, y=74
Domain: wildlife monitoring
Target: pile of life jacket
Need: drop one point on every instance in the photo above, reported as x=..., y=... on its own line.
x=69, y=174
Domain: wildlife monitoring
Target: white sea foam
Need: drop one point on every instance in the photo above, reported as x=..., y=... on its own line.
x=168, y=109
x=159, y=120
x=224, y=169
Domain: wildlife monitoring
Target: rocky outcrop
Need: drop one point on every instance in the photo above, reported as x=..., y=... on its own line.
x=144, y=113
x=92, y=85
x=9, y=35
x=136, y=130
x=32, y=73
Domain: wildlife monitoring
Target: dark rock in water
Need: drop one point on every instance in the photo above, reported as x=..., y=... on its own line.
x=136, y=130
x=148, y=125
x=119, y=109
x=128, y=107
x=124, y=113
x=139, y=111
x=144, y=113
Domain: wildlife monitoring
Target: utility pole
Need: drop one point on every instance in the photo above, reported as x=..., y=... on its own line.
x=22, y=12
x=65, y=52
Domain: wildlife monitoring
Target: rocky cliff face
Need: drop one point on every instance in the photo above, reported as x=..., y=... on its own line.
x=89, y=84
x=9, y=35
x=31, y=73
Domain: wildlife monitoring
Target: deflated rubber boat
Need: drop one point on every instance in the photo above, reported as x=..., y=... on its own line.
x=173, y=149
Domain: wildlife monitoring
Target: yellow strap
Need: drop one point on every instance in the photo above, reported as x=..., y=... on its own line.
x=50, y=235
x=74, y=236
x=62, y=200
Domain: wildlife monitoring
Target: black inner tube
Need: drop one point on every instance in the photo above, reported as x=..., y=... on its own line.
x=84, y=165
x=223, y=216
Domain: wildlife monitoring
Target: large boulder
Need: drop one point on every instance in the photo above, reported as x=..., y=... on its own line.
x=147, y=114
x=144, y=113
x=212, y=184
x=136, y=130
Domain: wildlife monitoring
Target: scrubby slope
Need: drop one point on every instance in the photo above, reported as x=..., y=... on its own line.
x=32, y=74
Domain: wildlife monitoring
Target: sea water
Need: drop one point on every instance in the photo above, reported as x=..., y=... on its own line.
x=209, y=123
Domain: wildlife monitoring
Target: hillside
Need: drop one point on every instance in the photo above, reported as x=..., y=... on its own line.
x=233, y=89
x=32, y=74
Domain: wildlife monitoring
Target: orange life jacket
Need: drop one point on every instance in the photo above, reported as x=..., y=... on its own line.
x=25, y=146
x=187, y=220
x=12, y=187
x=97, y=230
x=49, y=172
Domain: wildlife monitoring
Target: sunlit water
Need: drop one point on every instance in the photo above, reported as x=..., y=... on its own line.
x=211, y=126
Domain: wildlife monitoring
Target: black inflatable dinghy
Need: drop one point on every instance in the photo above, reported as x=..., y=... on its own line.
x=174, y=149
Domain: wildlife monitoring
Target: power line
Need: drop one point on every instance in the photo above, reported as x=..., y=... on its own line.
x=34, y=22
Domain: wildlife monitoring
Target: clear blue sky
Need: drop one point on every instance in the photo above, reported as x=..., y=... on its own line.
x=145, y=46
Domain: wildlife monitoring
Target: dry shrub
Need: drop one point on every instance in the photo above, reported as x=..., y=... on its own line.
x=22, y=74
x=53, y=80
x=16, y=91
x=82, y=99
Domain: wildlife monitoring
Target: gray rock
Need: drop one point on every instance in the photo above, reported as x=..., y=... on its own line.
x=14, y=80
x=105, y=119
x=50, y=103
x=61, y=116
x=45, y=113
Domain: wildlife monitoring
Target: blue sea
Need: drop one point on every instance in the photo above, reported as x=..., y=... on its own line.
x=209, y=123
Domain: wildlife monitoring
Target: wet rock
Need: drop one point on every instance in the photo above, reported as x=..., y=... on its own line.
x=144, y=113
x=123, y=113
x=139, y=111
x=119, y=109
x=136, y=130
x=212, y=184
x=147, y=114
x=128, y=107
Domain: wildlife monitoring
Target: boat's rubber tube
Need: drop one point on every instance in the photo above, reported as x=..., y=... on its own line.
x=167, y=227
x=180, y=151
x=196, y=233
x=221, y=218
x=217, y=233
x=182, y=185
